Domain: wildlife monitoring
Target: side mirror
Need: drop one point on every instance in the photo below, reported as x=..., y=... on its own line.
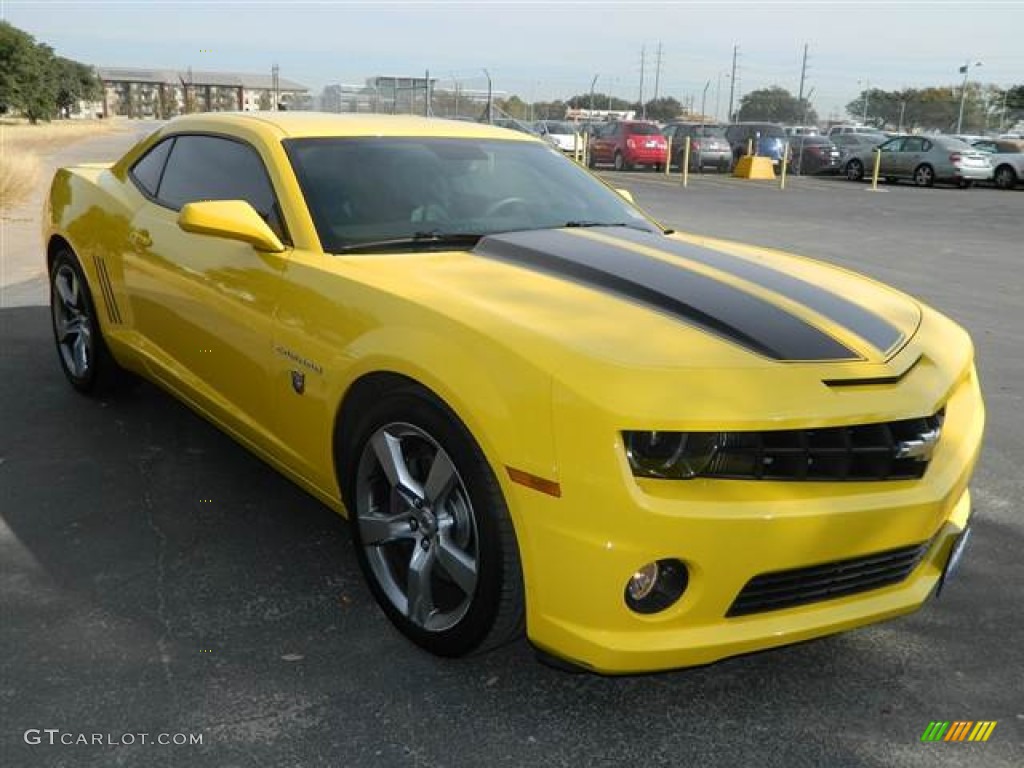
x=626, y=194
x=231, y=219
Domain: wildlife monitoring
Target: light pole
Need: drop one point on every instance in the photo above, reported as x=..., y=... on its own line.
x=867, y=95
x=490, y=114
x=592, y=84
x=703, y=100
x=965, y=70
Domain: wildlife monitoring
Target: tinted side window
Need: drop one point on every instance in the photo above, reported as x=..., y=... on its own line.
x=146, y=172
x=210, y=168
x=913, y=144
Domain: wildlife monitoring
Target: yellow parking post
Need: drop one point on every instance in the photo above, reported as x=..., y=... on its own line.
x=750, y=147
x=785, y=162
x=686, y=162
x=668, y=157
x=586, y=149
x=874, y=173
x=576, y=147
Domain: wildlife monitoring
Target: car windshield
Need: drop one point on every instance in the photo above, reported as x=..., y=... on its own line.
x=769, y=131
x=643, y=129
x=372, y=189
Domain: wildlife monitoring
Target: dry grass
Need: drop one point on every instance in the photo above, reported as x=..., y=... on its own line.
x=19, y=174
x=22, y=147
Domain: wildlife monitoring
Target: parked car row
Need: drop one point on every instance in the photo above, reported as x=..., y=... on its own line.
x=846, y=149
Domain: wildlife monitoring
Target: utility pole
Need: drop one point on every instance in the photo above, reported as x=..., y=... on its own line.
x=275, y=83
x=426, y=94
x=718, y=97
x=803, y=75
x=657, y=73
x=732, y=82
x=643, y=61
x=703, y=101
x=592, y=84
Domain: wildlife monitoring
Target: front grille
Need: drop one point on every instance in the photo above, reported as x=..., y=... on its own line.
x=800, y=586
x=862, y=452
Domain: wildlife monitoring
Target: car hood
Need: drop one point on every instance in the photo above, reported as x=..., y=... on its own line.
x=644, y=299
x=627, y=319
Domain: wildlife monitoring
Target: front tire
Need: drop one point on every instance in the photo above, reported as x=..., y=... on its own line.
x=1005, y=177
x=431, y=529
x=619, y=162
x=855, y=170
x=81, y=349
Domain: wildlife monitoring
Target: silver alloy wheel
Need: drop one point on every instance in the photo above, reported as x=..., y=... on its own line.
x=619, y=162
x=923, y=176
x=71, y=322
x=417, y=526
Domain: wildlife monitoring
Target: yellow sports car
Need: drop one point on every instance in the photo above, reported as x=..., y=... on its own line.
x=541, y=411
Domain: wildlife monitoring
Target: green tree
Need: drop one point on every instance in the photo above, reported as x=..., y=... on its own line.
x=777, y=105
x=27, y=74
x=662, y=108
x=75, y=82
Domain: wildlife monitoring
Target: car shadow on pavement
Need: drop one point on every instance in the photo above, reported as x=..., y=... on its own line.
x=159, y=578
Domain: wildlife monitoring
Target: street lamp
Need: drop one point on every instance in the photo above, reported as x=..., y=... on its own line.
x=592, y=84
x=965, y=70
x=703, y=101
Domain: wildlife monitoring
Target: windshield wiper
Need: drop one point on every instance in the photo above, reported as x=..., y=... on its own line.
x=432, y=237
x=628, y=225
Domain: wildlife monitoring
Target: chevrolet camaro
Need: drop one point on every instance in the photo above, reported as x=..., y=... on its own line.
x=541, y=411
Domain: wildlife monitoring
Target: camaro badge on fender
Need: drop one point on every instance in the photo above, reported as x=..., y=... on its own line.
x=298, y=382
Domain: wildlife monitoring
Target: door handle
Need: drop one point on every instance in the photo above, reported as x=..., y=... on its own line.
x=140, y=238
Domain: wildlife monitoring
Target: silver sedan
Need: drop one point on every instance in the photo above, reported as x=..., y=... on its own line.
x=923, y=159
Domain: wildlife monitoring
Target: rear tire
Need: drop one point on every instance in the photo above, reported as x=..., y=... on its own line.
x=81, y=348
x=431, y=529
x=619, y=162
x=924, y=175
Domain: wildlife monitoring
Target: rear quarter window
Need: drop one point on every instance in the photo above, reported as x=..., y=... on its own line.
x=147, y=171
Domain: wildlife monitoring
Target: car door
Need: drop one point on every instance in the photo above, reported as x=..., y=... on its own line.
x=203, y=305
x=912, y=154
x=891, y=161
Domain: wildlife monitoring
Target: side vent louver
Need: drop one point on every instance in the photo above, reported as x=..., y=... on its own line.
x=113, y=313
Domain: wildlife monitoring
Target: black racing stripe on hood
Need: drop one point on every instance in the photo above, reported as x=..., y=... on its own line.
x=717, y=307
x=871, y=327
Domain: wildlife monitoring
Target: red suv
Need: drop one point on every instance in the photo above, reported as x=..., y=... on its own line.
x=627, y=144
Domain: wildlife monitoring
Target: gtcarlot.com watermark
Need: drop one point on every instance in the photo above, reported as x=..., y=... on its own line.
x=55, y=736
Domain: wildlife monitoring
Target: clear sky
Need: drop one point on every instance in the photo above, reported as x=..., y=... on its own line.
x=546, y=50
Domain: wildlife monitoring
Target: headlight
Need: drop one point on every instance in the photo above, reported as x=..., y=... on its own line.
x=675, y=455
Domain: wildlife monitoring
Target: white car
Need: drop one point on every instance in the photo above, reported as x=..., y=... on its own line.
x=1007, y=157
x=561, y=133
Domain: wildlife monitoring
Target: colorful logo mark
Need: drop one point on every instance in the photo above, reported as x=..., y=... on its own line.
x=958, y=730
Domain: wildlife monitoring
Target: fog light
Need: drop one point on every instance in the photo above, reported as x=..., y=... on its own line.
x=643, y=581
x=656, y=585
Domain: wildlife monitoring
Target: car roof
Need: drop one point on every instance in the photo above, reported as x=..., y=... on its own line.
x=321, y=124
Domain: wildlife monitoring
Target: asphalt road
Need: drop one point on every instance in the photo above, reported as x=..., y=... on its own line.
x=156, y=578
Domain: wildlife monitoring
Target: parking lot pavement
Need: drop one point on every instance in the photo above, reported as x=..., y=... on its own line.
x=156, y=578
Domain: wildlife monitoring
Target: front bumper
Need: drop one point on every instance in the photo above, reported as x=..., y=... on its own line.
x=581, y=549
